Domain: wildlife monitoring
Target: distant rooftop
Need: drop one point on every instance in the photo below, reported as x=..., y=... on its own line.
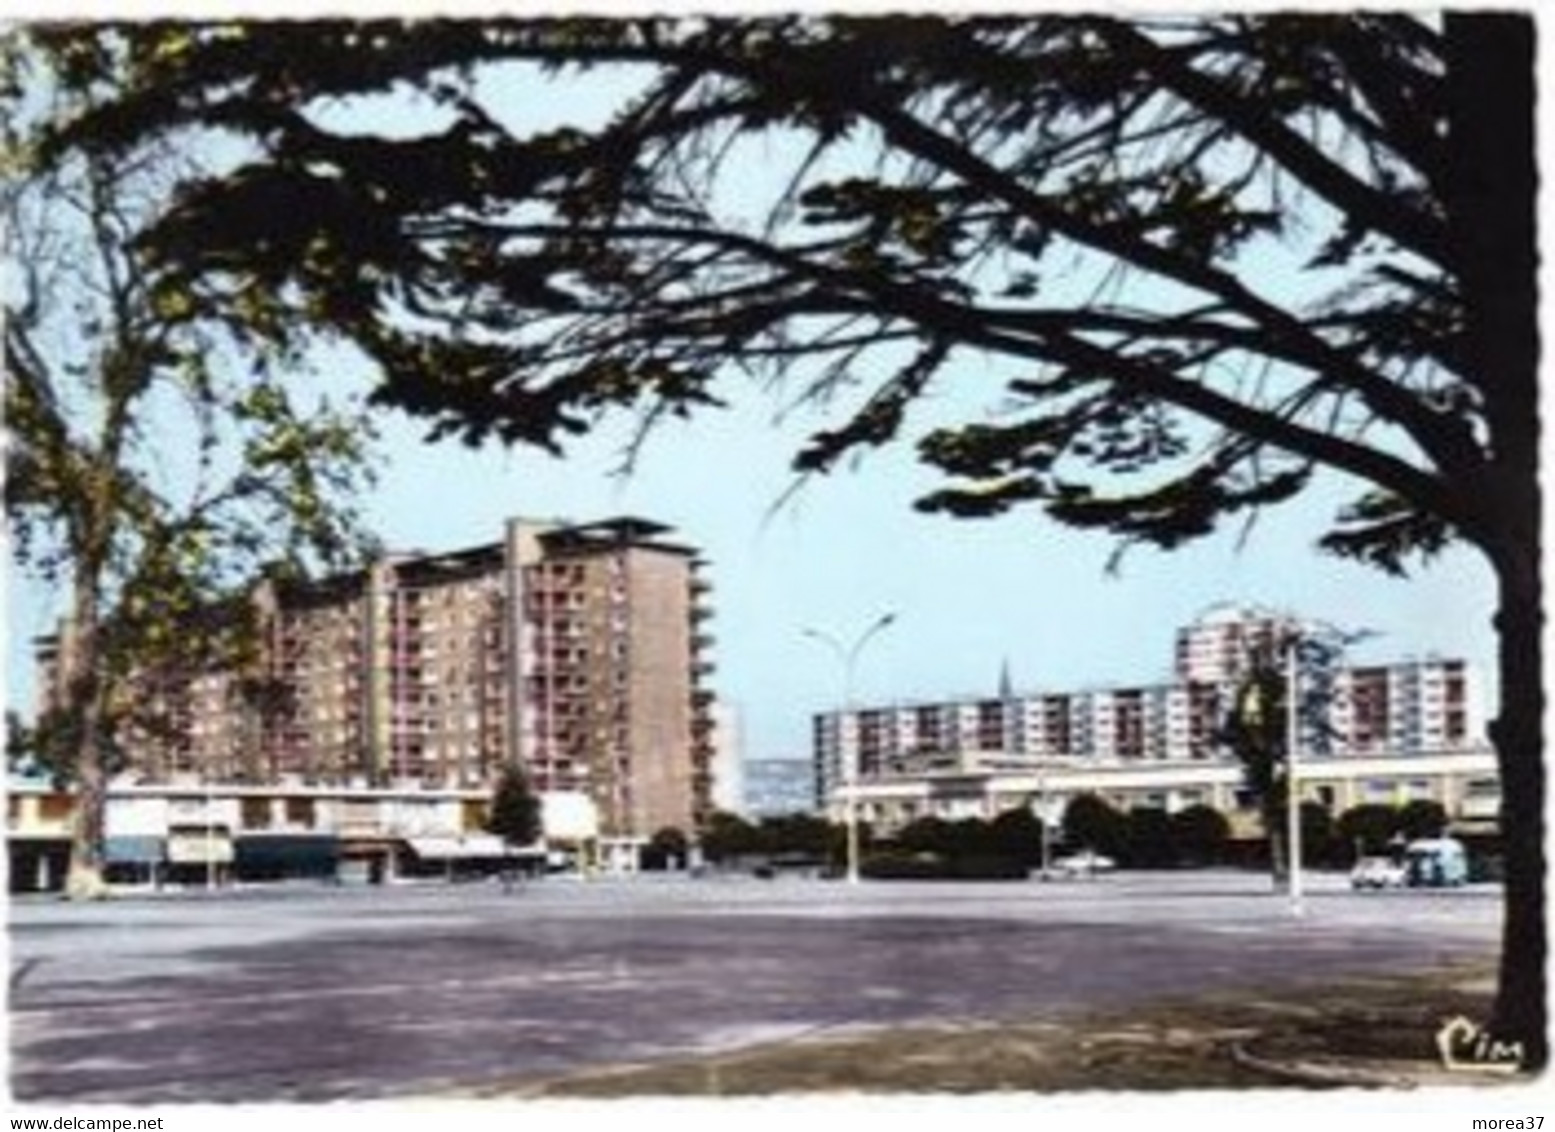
x=621, y=530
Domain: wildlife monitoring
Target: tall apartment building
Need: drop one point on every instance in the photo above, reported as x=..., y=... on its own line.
x=1221, y=644
x=1408, y=707
x=778, y=787
x=579, y=652
x=728, y=757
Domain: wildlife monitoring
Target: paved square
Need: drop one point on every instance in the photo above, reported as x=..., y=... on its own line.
x=314, y=994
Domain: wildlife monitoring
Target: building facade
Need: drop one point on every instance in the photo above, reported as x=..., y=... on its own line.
x=777, y=787
x=1413, y=709
x=577, y=652
x=198, y=834
x=1463, y=782
x=728, y=758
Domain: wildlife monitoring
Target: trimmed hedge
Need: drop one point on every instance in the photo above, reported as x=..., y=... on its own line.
x=919, y=866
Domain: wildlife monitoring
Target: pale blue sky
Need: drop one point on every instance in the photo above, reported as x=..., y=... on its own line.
x=968, y=595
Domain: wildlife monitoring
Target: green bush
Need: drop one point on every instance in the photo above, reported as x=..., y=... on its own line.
x=1200, y=834
x=921, y=866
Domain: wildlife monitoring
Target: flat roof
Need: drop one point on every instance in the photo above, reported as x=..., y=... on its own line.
x=456, y=563
x=621, y=530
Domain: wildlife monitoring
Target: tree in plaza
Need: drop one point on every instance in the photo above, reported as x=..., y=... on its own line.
x=728, y=835
x=963, y=838
x=515, y=813
x=1091, y=822
x=928, y=834
x=1368, y=828
x=1199, y=834
x=667, y=848
x=157, y=463
x=799, y=833
x=1422, y=817
x=1217, y=257
x=1147, y=838
x=19, y=755
x=1319, y=845
x=1254, y=731
x=1017, y=834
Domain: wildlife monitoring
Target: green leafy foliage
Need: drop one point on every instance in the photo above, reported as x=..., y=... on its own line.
x=154, y=469
x=1422, y=817
x=515, y=814
x=726, y=836
x=1319, y=845
x=1368, y=828
x=1305, y=242
x=947, y=176
x=1017, y=834
x=1091, y=822
x=1147, y=838
x=666, y=849
x=1199, y=834
x=896, y=864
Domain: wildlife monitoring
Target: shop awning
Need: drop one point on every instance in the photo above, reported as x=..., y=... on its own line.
x=470, y=847
x=288, y=851
x=194, y=849
x=142, y=849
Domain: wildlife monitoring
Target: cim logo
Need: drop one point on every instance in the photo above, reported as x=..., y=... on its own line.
x=1465, y=1048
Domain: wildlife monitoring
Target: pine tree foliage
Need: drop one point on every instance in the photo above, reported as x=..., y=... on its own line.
x=1209, y=258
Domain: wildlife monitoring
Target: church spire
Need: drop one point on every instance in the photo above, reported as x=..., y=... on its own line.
x=1013, y=732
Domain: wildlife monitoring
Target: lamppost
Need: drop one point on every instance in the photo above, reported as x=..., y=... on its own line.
x=1042, y=817
x=1318, y=645
x=1292, y=769
x=849, y=655
x=210, y=831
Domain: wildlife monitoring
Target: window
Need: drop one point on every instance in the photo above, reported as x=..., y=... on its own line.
x=1378, y=790
x=299, y=812
x=256, y=813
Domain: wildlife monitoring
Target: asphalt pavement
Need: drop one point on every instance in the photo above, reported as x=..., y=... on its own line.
x=306, y=995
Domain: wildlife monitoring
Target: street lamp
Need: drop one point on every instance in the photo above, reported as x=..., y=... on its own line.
x=1326, y=644
x=1042, y=817
x=1292, y=766
x=849, y=656
x=210, y=831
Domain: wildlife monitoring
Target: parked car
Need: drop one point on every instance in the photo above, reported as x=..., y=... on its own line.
x=1378, y=872
x=1084, y=863
x=1436, y=862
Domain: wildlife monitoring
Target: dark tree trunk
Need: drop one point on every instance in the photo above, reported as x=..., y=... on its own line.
x=1491, y=201
x=1520, y=1000
x=84, y=878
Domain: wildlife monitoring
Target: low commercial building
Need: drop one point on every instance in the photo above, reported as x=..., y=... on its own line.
x=1392, y=732
x=1463, y=782
x=580, y=653
x=212, y=834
